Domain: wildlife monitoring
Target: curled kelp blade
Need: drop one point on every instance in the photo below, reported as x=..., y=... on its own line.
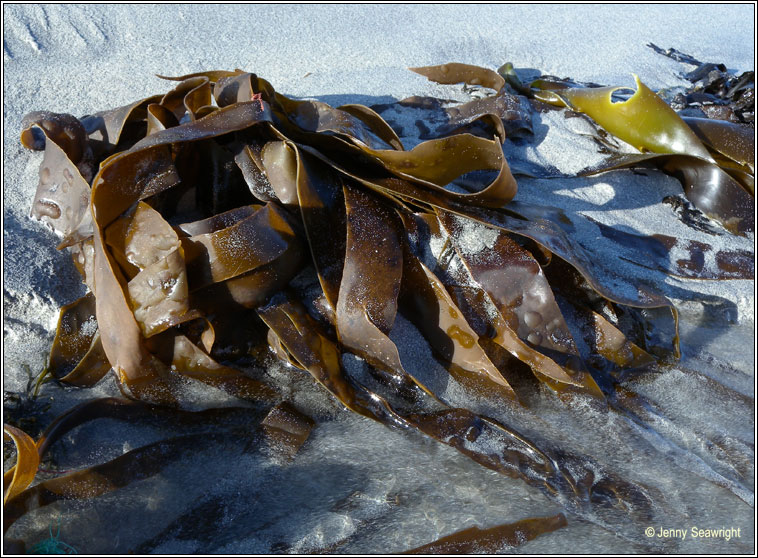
x=243, y=255
x=159, y=118
x=66, y=131
x=191, y=96
x=509, y=114
x=493, y=539
x=376, y=124
x=22, y=474
x=455, y=72
x=77, y=355
x=358, y=126
x=246, y=240
x=63, y=194
x=249, y=161
x=508, y=73
x=438, y=162
x=213, y=75
x=106, y=128
x=644, y=120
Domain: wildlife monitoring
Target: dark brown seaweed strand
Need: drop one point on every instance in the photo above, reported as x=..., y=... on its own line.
x=494, y=539
x=133, y=466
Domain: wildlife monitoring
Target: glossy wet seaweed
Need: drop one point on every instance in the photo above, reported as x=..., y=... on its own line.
x=191, y=213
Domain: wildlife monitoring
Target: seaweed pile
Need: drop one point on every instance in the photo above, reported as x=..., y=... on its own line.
x=195, y=216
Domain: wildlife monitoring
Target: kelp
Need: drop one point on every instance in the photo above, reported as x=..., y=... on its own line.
x=22, y=474
x=716, y=92
x=138, y=464
x=494, y=539
x=693, y=257
x=212, y=201
x=723, y=191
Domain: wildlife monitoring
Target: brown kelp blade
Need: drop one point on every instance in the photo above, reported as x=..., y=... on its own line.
x=371, y=279
x=438, y=162
x=430, y=307
x=544, y=232
x=322, y=208
x=22, y=474
x=301, y=336
x=455, y=72
x=77, y=355
x=251, y=239
x=711, y=189
x=139, y=238
x=144, y=170
x=735, y=141
x=77, y=327
x=63, y=194
x=530, y=325
x=375, y=123
x=105, y=128
x=494, y=539
x=286, y=429
x=150, y=253
x=136, y=465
